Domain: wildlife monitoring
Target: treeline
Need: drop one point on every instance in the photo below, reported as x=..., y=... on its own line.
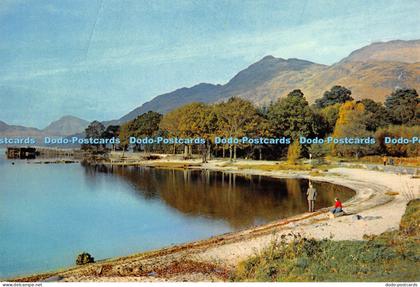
x=336, y=114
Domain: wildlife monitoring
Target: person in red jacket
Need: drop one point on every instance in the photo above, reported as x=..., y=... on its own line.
x=338, y=207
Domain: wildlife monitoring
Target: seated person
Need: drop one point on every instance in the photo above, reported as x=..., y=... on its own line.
x=338, y=207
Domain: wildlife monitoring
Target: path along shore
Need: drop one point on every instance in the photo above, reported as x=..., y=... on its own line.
x=380, y=200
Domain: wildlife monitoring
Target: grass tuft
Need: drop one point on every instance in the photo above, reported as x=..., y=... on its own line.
x=391, y=256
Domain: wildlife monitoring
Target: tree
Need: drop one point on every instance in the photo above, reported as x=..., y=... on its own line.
x=296, y=93
x=191, y=120
x=397, y=132
x=404, y=107
x=145, y=125
x=293, y=152
x=200, y=122
x=124, y=135
x=94, y=130
x=337, y=94
x=111, y=131
x=84, y=258
x=351, y=124
x=263, y=130
x=330, y=115
x=376, y=115
x=292, y=117
x=236, y=118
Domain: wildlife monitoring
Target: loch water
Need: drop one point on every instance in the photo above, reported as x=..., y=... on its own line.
x=49, y=213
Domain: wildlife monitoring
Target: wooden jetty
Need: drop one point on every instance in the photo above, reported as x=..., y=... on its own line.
x=21, y=152
x=43, y=152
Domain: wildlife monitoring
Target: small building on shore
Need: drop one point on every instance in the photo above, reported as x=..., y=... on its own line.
x=21, y=152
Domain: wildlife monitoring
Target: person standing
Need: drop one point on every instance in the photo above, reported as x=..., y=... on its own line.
x=311, y=195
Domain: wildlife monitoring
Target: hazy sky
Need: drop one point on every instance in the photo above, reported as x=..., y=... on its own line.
x=100, y=59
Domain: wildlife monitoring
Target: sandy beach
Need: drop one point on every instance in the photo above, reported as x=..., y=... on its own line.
x=380, y=201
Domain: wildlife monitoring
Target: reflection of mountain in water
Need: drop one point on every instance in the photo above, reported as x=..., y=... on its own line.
x=242, y=201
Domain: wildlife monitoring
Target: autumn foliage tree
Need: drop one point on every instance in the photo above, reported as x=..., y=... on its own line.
x=396, y=132
x=335, y=114
x=191, y=120
x=236, y=118
x=351, y=123
x=293, y=152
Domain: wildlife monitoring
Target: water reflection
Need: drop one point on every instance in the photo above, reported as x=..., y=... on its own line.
x=240, y=200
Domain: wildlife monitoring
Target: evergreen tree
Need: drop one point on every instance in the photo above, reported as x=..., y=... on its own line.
x=376, y=115
x=404, y=107
x=337, y=94
x=292, y=117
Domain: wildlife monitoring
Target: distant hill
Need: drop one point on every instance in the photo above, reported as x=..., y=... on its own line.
x=371, y=72
x=374, y=80
x=200, y=93
x=14, y=130
x=67, y=125
x=256, y=83
x=245, y=84
x=392, y=51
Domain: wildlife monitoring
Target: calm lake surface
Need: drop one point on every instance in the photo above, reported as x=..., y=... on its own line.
x=49, y=213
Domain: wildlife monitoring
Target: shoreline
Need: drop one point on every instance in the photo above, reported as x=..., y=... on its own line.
x=220, y=253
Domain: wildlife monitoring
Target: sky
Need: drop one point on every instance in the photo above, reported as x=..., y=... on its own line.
x=99, y=59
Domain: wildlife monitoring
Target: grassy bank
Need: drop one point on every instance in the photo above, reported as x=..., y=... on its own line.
x=391, y=256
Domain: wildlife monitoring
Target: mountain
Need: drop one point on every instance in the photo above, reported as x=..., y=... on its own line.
x=65, y=126
x=371, y=72
x=270, y=78
x=373, y=80
x=245, y=84
x=14, y=130
x=392, y=51
x=199, y=93
x=255, y=82
x=3, y=126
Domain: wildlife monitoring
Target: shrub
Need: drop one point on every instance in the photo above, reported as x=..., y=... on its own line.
x=410, y=149
x=293, y=153
x=84, y=258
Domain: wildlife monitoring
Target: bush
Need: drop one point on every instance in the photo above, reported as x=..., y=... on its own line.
x=293, y=153
x=84, y=258
x=410, y=149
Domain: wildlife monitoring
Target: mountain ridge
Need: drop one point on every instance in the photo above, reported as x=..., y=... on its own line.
x=372, y=71
x=398, y=50
x=65, y=126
